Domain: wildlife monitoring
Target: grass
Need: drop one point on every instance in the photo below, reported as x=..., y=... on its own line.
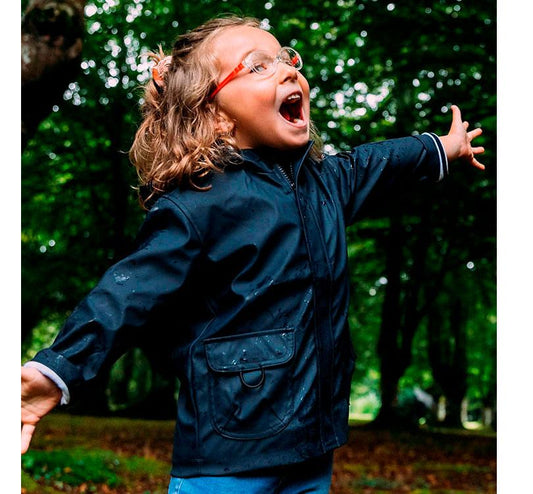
x=103, y=455
x=122, y=456
x=52, y=471
x=76, y=466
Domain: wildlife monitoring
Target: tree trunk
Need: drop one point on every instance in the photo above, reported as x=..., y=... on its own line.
x=400, y=316
x=454, y=382
x=388, y=351
x=447, y=356
x=120, y=186
x=52, y=32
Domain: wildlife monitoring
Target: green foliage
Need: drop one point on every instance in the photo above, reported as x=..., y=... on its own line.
x=72, y=467
x=130, y=380
x=77, y=466
x=376, y=70
x=42, y=336
x=376, y=483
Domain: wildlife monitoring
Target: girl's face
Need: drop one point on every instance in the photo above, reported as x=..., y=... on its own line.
x=271, y=111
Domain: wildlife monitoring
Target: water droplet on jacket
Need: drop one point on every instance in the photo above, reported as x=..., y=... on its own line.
x=120, y=278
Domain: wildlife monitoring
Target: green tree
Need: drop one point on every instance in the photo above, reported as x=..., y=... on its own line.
x=376, y=70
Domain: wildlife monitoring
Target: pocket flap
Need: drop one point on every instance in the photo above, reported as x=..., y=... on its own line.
x=250, y=351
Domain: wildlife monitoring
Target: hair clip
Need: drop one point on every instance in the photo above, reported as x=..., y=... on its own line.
x=159, y=70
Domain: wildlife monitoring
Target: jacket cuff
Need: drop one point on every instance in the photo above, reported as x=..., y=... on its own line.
x=443, y=159
x=56, y=367
x=50, y=374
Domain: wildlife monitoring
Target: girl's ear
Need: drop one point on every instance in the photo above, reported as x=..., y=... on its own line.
x=223, y=125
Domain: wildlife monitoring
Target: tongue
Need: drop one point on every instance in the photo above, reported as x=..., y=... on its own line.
x=290, y=111
x=285, y=113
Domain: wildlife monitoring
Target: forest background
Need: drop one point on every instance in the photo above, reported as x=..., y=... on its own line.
x=423, y=316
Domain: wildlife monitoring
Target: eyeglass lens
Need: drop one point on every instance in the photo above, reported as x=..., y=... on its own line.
x=261, y=62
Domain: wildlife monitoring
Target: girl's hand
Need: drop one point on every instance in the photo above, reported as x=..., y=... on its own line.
x=458, y=143
x=39, y=395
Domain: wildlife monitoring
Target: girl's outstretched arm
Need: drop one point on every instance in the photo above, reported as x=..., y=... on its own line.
x=458, y=143
x=39, y=395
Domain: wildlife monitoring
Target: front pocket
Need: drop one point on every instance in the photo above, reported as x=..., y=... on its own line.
x=250, y=381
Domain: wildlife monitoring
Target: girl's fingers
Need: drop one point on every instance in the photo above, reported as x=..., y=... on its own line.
x=460, y=127
x=477, y=164
x=456, y=115
x=475, y=133
x=25, y=437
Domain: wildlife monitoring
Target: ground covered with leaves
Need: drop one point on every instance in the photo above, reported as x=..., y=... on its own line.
x=119, y=456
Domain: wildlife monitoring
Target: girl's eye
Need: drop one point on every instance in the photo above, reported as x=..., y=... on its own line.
x=260, y=67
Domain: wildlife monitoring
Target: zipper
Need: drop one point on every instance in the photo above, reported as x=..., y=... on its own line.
x=288, y=174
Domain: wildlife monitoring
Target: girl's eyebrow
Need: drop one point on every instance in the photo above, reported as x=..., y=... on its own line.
x=243, y=57
x=248, y=53
x=259, y=49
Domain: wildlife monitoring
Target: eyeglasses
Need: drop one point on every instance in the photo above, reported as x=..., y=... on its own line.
x=262, y=63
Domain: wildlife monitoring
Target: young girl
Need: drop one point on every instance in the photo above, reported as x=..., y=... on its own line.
x=239, y=280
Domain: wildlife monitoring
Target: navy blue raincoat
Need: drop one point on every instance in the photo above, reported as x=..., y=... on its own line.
x=242, y=292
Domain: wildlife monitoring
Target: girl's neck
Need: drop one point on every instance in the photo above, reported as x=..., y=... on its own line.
x=278, y=156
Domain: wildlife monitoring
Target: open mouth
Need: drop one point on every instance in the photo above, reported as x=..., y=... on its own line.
x=291, y=109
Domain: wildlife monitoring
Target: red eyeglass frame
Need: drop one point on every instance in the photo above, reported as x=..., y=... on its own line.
x=227, y=79
x=242, y=65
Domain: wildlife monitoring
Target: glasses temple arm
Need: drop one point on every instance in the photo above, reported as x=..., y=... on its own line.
x=231, y=75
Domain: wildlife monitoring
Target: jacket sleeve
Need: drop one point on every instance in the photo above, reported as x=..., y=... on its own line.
x=112, y=317
x=376, y=168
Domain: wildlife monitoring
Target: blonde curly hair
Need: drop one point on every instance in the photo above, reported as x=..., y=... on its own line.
x=179, y=141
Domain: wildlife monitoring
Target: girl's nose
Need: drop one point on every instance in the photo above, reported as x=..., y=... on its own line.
x=287, y=72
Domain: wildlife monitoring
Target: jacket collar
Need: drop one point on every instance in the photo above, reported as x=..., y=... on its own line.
x=265, y=159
